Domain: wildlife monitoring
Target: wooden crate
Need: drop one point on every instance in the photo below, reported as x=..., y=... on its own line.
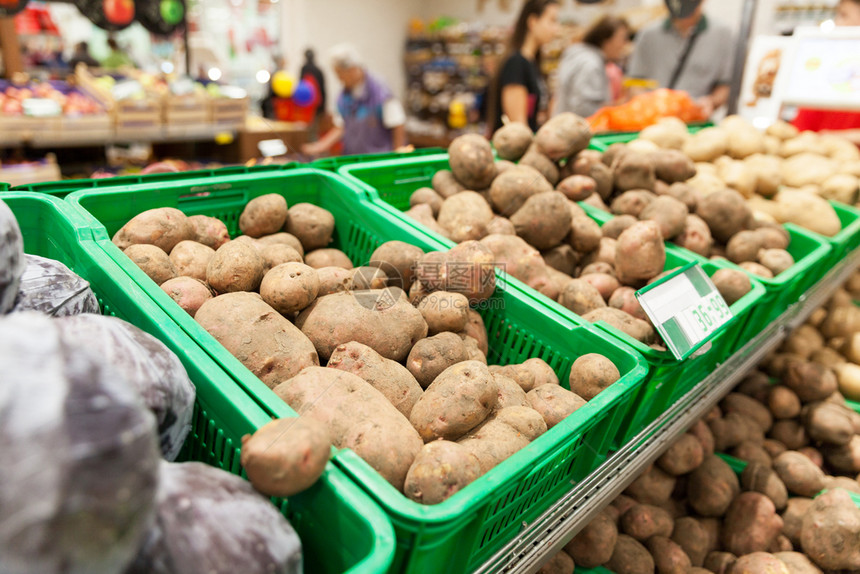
x=25, y=127
x=183, y=112
x=31, y=172
x=136, y=119
x=228, y=112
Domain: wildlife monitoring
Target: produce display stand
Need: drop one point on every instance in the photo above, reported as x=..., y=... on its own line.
x=340, y=527
x=544, y=537
x=466, y=529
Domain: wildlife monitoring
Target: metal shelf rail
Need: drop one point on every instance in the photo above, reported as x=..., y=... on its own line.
x=540, y=540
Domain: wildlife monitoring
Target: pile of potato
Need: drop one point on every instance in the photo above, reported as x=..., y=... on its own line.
x=790, y=424
x=405, y=382
x=527, y=215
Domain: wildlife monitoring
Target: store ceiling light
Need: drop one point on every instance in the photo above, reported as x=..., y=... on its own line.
x=263, y=76
x=214, y=74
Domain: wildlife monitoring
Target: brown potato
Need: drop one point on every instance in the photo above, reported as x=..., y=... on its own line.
x=844, y=458
x=776, y=260
x=830, y=532
x=494, y=441
x=672, y=166
x=290, y=287
x=282, y=238
x=624, y=298
x=444, y=311
x=510, y=190
x=633, y=170
x=424, y=215
x=762, y=479
x=732, y=284
x=466, y=216
x=562, y=258
x=312, y=225
x=577, y=187
x=720, y=562
x=328, y=257
x=163, y=227
x=581, y=297
x=519, y=260
x=390, y=378
x=286, y=456
x=560, y=563
x=472, y=162
x=652, y=487
x=632, y=202
x=615, y=226
x=188, y=292
x=277, y=254
x=538, y=160
x=810, y=381
x=669, y=558
x=510, y=393
x=725, y=212
x=692, y=537
x=745, y=246
x=748, y=407
x=152, y=261
x=263, y=215
x=605, y=283
x=751, y=524
x=757, y=269
x=501, y=225
x=470, y=271
x=512, y=140
x=562, y=136
x=426, y=195
x=696, y=236
x=799, y=474
x=543, y=220
x=752, y=452
x=757, y=562
x=585, y=234
x=433, y=355
x=440, y=470
x=554, y=402
x=236, y=266
x=640, y=253
x=368, y=278
x=797, y=563
x=669, y=213
x=593, y=545
x=712, y=487
x=829, y=423
x=530, y=374
x=270, y=346
x=636, y=328
x=333, y=280
x=210, y=231
x=445, y=184
x=630, y=557
x=644, y=521
x=397, y=259
x=592, y=373
x=683, y=456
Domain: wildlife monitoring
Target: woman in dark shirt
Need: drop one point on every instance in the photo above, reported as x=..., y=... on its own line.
x=516, y=90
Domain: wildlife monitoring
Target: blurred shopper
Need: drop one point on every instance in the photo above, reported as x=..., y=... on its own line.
x=311, y=70
x=81, y=55
x=688, y=52
x=518, y=91
x=369, y=118
x=847, y=124
x=584, y=85
x=117, y=58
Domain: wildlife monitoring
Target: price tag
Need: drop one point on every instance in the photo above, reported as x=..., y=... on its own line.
x=272, y=148
x=686, y=309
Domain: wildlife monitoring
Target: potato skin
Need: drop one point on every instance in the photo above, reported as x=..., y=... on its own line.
x=630, y=557
x=593, y=545
x=378, y=318
x=554, y=402
x=263, y=215
x=644, y=521
x=830, y=532
x=692, y=537
x=465, y=216
x=190, y=259
x=581, y=297
x=276, y=254
x=636, y=328
x=290, y=287
x=163, y=227
x=397, y=259
x=683, y=456
x=444, y=311
x=357, y=416
x=471, y=271
x=758, y=477
x=458, y=400
x=283, y=238
x=312, y=225
x=560, y=563
x=152, y=261
x=725, y=212
x=472, y=162
x=328, y=257
x=426, y=195
x=592, y=373
x=444, y=183
x=236, y=266
x=188, y=292
x=512, y=140
x=751, y=524
x=429, y=357
x=669, y=558
x=544, y=220
x=286, y=456
x=210, y=231
x=758, y=562
x=269, y=345
x=732, y=284
x=712, y=487
x=440, y=470
x=640, y=253
x=510, y=190
x=563, y=135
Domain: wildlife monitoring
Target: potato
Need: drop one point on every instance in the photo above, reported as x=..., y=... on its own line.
x=328, y=257
x=797, y=508
x=668, y=556
x=210, y=231
x=398, y=260
x=458, y=400
x=445, y=184
x=767, y=171
x=682, y=456
x=270, y=346
x=810, y=381
x=368, y=278
x=632, y=202
x=752, y=451
x=426, y=195
x=510, y=393
x=530, y=374
x=842, y=482
x=669, y=213
x=624, y=298
x=543, y=220
x=512, y=140
x=805, y=209
x=643, y=521
x=598, y=267
x=522, y=261
x=748, y=407
x=278, y=254
x=812, y=454
x=725, y=212
x=732, y=284
x=476, y=329
x=357, y=416
x=592, y=373
x=263, y=215
x=493, y=442
x=759, y=562
x=828, y=423
x=672, y=166
x=653, y=486
x=745, y=246
x=501, y=226
x=800, y=475
x=840, y=187
x=290, y=287
x=585, y=234
x=776, y=260
x=696, y=236
x=390, y=378
x=630, y=557
x=188, y=292
x=553, y=402
x=797, y=563
x=844, y=458
x=577, y=187
x=440, y=470
x=466, y=216
x=668, y=133
x=562, y=258
x=433, y=355
x=804, y=341
x=333, y=280
x=636, y=328
x=844, y=323
x=751, y=524
x=286, y=456
x=163, y=227
x=593, y=545
x=444, y=311
x=640, y=253
x=510, y=190
x=581, y=297
x=783, y=402
x=781, y=129
x=761, y=478
x=737, y=175
x=830, y=533
x=472, y=162
x=312, y=225
x=152, y=261
x=381, y=319
x=712, y=487
x=560, y=563
x=562, y=136
x=596, y=202
x=692, y=538
x=615, y=226
x=282, y=238
x=633, y=170
x=757, y=269
x=597, y=171
x=848, y=379
x=790, y=433
x=707, y=144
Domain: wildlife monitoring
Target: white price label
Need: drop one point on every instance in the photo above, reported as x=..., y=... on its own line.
x=686, y=308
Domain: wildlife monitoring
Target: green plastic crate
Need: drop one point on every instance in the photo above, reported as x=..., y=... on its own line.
x=336, y=162
x=342, y=530
x=4, y=186
x=64, y=187
x=848, y=239
x=460, y=533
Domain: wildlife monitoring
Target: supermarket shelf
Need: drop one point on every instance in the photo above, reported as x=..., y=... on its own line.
x=77, y=139
x=541, y=539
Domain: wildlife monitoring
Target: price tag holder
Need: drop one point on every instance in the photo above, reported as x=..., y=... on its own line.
x=686, y=309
